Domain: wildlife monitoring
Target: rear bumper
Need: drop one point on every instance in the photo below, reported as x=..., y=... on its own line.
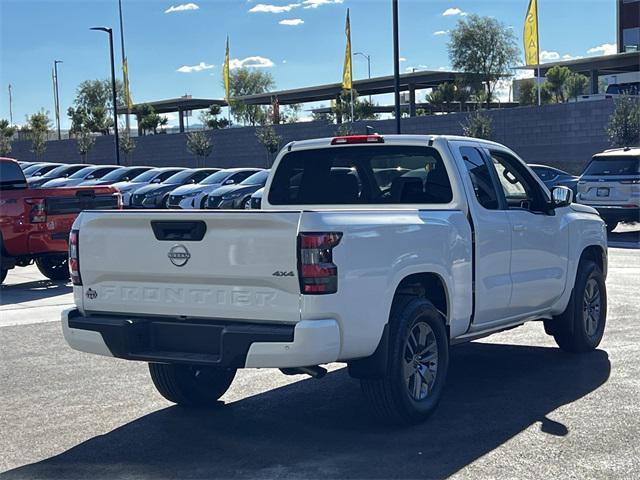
x=214, y=342
x=618, y=213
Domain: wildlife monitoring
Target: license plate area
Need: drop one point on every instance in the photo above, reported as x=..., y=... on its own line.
x=602, y=192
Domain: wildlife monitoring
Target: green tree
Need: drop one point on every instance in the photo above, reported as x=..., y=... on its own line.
x=270, y=140
x=149, y=119
x=37, y=130
x=245, y=81
x=623, y=128
x=478, y=125
x=448, y=93
x=344, y=129
x=85, y=143
x=483, y=48
x=527, y=92
x=325, y=117
x=291, y=113
x=6, y=134
x=127, y=145
x=435, y=99
x=463, y=92
x=556, y=78
x=200, y=145
x=362, y=108
x=93, y=106
x=210, y=118
x=576, y=85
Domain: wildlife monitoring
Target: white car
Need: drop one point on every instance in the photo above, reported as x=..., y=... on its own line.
x=338, y=267
x=611, y=185
x=195, y=196
x=256, y=200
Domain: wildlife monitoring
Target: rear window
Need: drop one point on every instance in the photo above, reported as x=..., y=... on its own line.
x=611, y=166
x=11, y=176
x=361, y=175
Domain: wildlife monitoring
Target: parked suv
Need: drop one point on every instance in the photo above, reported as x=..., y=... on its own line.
x=611, y=185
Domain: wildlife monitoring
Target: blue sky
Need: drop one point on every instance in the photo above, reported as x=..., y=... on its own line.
x=164, y=44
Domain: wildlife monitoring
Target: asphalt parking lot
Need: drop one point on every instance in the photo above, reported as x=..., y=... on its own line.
x=515, y=407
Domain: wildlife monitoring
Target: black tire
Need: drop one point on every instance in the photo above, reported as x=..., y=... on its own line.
x=203, y=203
x=580, y=327
x=191, y=385
x=54, y=267
x=390, y=397
x=246, y=203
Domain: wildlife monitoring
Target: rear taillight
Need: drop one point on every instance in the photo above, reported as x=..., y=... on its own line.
x=38, y=213
x=317, y=272
x=355, y=139
x=74, y=257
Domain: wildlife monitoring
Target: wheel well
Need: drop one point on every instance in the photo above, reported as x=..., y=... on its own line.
x=429, y=286
x=593, y=253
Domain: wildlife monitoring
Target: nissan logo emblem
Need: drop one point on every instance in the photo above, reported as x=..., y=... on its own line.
x=179, y=255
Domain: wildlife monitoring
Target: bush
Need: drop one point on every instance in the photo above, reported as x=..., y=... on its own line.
x=478, y=125
x=623, y=129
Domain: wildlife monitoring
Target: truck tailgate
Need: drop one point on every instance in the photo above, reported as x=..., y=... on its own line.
x=219, y=265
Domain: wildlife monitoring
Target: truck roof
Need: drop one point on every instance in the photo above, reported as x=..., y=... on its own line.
x=618, y=152
x=389, y=139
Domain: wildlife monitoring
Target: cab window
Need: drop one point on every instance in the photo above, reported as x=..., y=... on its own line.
x=481, y=180
x=520, y=189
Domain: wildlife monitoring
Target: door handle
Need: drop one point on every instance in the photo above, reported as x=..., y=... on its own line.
x=519, y=228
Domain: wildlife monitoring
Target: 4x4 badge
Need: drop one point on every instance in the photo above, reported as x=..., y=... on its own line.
x=92, y=294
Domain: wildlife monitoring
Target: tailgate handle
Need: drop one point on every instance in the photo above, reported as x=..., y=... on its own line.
x=179, y=230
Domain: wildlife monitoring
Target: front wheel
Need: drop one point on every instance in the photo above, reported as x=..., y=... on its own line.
x=246, y=204
x=581, y=326
x=54, y=267
x=191, y=385
x=417, y=366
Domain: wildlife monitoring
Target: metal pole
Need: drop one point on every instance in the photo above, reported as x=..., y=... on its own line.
x=368, y=57
x=396, y=65
x=124, y=59
x=57, y=95
x=10, y=106
x=113, y=91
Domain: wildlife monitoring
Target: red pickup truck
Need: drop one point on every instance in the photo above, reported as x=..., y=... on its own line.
x=35, y=223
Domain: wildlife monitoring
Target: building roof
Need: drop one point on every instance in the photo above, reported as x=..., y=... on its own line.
x=605, y=64
x=177, y=104
x=371, y=86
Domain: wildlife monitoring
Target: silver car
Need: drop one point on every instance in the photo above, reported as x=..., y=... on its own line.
x=611, y=185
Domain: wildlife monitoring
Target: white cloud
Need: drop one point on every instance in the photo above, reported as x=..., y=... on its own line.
x=266, y=8
x=571, y=57
x=251, y=62
x=403, y=59
x=294, y=22
x=194, y=68
x=181, y=8
x=547, y=56
x=604, y=49
x=318, y=3
x=284, y=61
x=522, y=74
x=441, y=32
x=453, y=11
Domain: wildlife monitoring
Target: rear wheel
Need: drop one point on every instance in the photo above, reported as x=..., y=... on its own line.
x=54, y=267
x=581, y=326
x=191, y=385
x=417, y=366
x=246, y=204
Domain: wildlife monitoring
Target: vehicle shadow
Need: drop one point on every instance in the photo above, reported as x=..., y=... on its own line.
x=30, y=291
x=624, y=238
x=321, y=428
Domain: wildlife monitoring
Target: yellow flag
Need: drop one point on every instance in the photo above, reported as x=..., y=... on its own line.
x=225, y=73
x=530, y=35
x=347, y=74
x=127, y=92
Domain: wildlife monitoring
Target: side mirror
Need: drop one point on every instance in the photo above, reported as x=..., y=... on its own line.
x=155, y=180
x=562, y=197
x=90, y=177
x=231, y=181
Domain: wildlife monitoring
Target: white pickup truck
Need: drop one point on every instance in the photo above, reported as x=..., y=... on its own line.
x=377, y=251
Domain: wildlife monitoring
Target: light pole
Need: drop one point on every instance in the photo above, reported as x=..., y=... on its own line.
x=113, y=91
x=396, y=64
x=10, y=106
x=125, y=70
x=56, y=95
x=368, y=57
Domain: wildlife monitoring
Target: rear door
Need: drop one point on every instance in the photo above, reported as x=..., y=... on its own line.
x=223, y=265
